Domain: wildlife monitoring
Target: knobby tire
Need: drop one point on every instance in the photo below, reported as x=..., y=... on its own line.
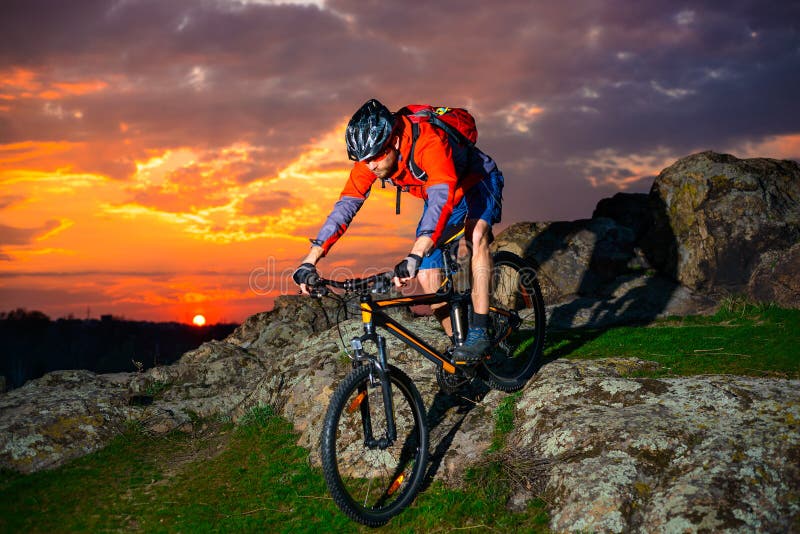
x=518, y=352
x=372, y=485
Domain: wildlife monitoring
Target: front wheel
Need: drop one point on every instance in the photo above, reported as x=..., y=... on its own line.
x=369, y=478
x=517, y=315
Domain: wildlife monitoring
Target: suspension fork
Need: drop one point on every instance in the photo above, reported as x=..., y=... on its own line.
x=386, y=388
x=379, y=367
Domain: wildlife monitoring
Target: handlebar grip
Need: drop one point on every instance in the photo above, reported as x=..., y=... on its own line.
x=379, y=282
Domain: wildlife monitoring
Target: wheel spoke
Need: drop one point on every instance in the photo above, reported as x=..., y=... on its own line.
x=517, y=316
x=368, y=481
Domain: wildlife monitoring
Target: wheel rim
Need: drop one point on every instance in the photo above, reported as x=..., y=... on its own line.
x=376, y=480
x=515, y=320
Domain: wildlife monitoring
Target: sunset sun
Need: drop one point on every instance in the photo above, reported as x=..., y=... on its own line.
x=199, y=320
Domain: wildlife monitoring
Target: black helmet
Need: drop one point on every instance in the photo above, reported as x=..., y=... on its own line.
x=368, y=131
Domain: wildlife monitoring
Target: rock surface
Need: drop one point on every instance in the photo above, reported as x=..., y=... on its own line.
x=776, y=279
x=714, y=453
x=720, y=214
x=63, y=415
x=574, y=258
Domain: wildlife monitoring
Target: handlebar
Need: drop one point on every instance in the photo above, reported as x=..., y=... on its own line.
x=379, y=283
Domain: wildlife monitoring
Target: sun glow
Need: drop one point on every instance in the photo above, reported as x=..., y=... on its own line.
x=199, y=320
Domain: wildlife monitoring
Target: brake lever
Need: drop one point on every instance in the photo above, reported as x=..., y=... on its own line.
x=322, y=292
x=319, y=291
x=382, y=285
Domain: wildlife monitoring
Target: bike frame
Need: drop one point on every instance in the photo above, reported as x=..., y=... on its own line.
x=373, y=316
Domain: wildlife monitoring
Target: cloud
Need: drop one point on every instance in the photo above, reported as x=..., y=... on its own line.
x=10, y=235
x=6, y=201
x=215, y=119
x=20, y=237
x=270, y=204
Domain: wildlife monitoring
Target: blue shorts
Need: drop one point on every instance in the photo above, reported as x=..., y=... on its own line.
x=454, y=224
x=484, y=201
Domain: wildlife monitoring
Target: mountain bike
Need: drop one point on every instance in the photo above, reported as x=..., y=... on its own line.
x=374, y=443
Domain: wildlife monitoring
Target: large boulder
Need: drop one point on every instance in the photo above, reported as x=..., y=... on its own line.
x=63, y=415
x=574, y=258
x=596, y=272
x=716, y=216
x=612, y=453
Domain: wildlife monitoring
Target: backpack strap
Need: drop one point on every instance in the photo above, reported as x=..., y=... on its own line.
x=397, y=201
x=415, y=169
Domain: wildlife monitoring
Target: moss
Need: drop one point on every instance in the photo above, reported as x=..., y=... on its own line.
x=504, y=416
x=688, y=194
x=64, y=427
x=720, y=185
x=156, y=388
x=643, y=490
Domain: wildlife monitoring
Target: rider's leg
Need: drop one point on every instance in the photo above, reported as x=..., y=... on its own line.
x=484, y=207
x=479, y=233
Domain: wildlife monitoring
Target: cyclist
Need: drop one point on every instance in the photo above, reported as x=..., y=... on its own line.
x=463, y=187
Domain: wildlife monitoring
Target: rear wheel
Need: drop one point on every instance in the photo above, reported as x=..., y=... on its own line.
x=370, y=479
x=517, y=315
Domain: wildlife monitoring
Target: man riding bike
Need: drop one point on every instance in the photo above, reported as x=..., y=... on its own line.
x=463, y=186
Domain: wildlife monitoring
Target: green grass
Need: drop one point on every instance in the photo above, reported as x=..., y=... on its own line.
x=248, y=478
x=504, y=420
x=742, y=339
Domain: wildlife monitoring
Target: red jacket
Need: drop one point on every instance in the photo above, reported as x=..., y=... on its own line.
x=449, y=170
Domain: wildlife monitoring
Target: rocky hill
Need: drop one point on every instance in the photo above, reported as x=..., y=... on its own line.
x=712, y=226
x=610, y=452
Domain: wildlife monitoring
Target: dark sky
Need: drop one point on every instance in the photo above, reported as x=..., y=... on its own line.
x=575, y=99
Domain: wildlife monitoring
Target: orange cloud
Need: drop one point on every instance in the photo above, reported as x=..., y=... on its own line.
x=35, y=160
x=14, y=238
x=269, y=204
x=19, y=79
x=24, y=83
x=80, y=88
x=778, y=147
x=609, y=168
x=225, y=195
x=520, y=115
x=32, y=154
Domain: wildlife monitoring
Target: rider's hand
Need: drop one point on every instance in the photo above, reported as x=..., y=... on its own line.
x=305, y=275
x=406, y=269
